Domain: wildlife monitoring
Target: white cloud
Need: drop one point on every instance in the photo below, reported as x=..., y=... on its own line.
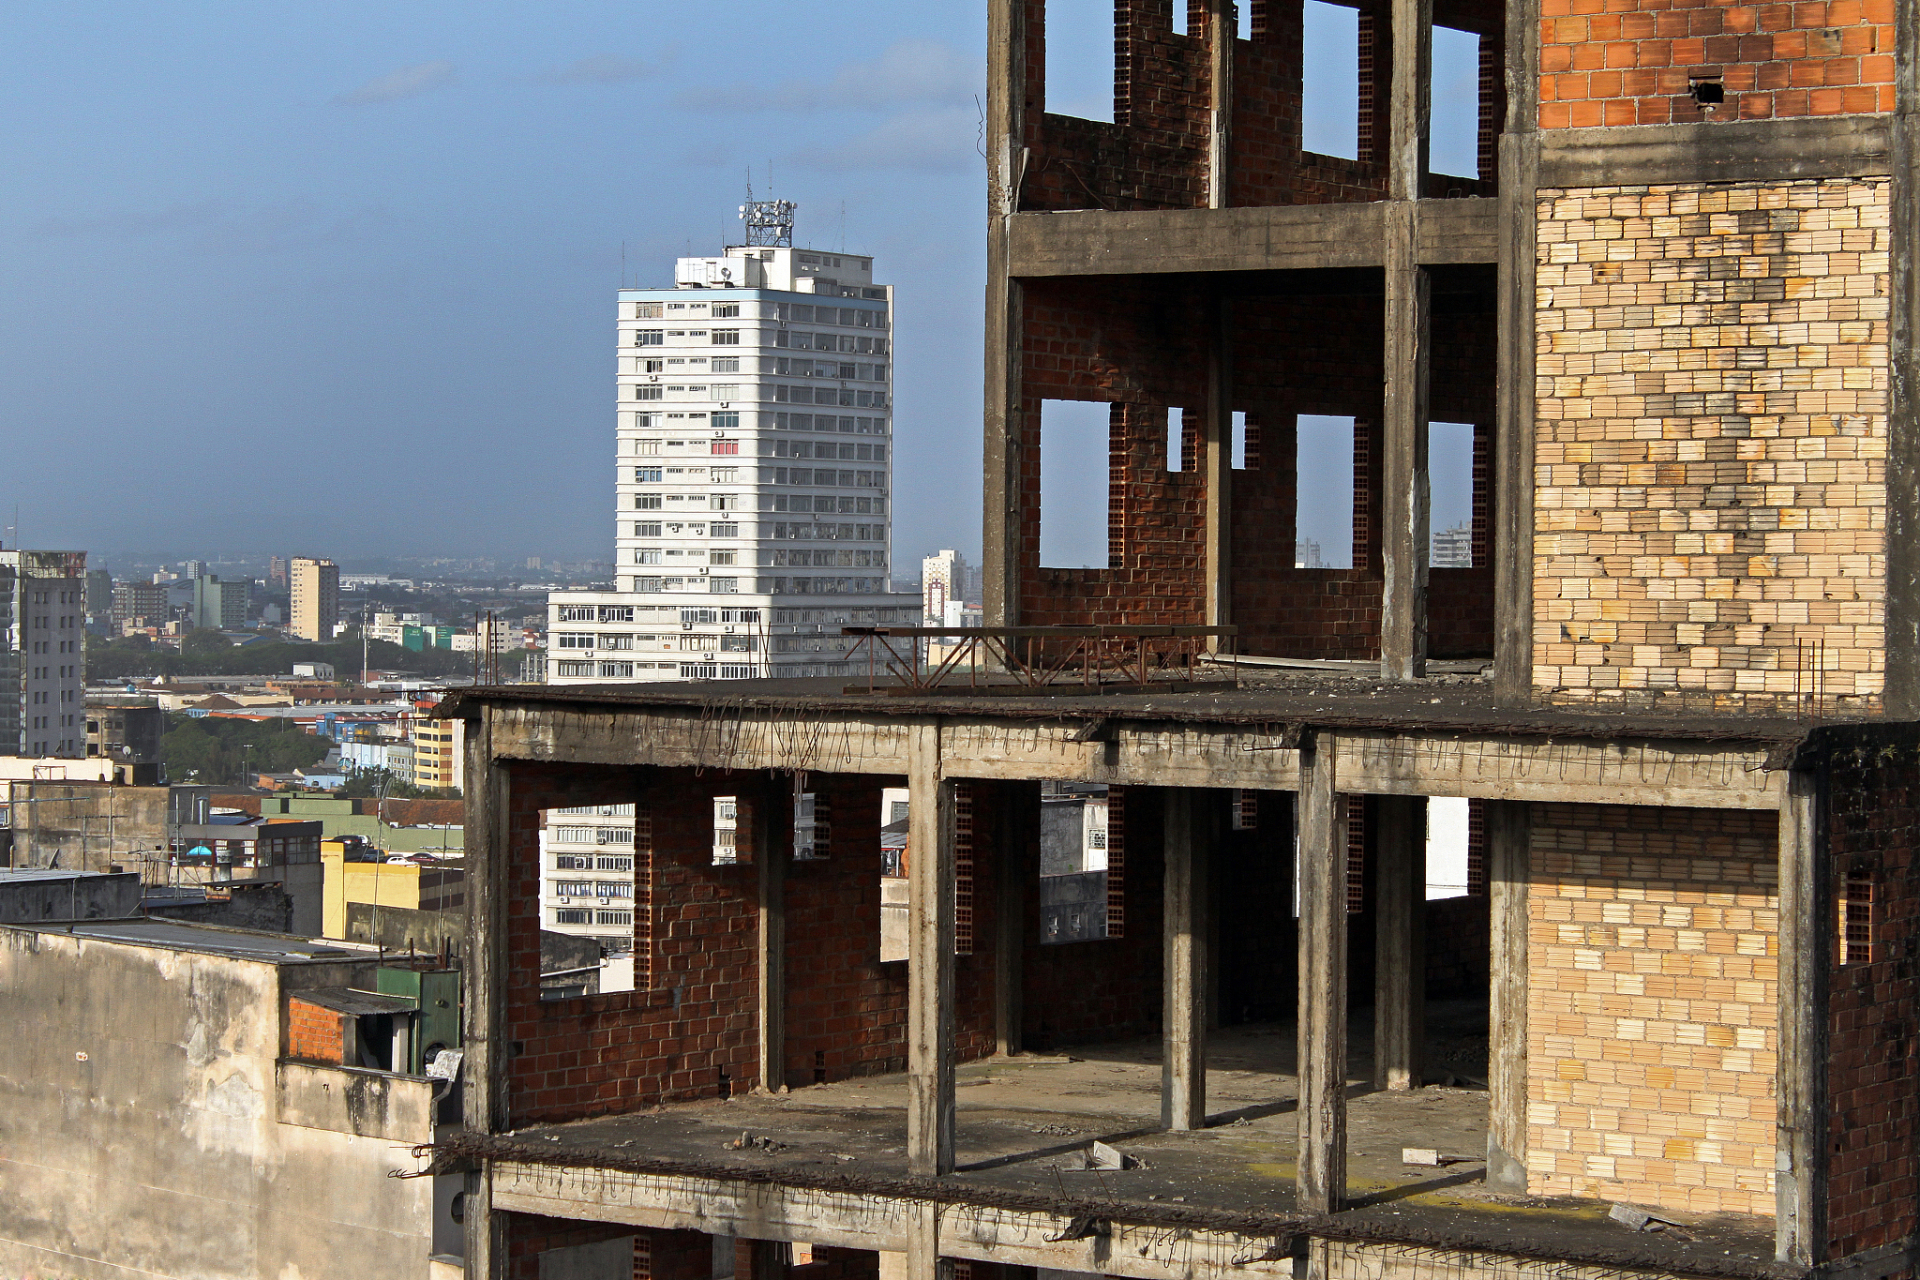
x=942, y=141
x=407, y=82
x=909, y=71
x=607, y=68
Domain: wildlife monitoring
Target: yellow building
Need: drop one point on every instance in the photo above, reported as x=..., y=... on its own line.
x=395, y=904
x=439, y=753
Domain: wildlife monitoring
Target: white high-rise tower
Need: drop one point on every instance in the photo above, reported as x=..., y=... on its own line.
x=753, y=471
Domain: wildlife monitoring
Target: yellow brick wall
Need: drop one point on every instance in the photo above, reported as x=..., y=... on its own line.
x=1711, y=435
x=1367, y=1260
x=1651, y=1008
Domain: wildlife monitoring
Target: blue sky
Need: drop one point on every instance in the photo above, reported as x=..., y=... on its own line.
x=333, y=278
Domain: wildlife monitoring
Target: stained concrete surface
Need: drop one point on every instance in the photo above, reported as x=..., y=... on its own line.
x=1024, y=1121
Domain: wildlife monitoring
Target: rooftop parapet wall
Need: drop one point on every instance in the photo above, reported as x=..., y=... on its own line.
x=1633, y=63
x=1711, y=441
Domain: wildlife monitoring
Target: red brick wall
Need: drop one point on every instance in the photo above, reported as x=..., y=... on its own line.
x=315, y=1034
x=572, y=1058
x=672, y=1255
x=1602, y=66
x=695, y=1028
x=529, y=1235
x=1138, y=345
x=1874, y=1077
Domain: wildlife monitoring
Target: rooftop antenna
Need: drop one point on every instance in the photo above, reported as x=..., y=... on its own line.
x=769, y=222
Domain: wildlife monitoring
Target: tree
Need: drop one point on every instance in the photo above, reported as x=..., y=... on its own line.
x=218, y=748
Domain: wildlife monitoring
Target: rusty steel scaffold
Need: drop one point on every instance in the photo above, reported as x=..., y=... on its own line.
x=1021, y=660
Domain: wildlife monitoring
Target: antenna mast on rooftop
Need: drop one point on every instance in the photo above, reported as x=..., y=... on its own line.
x=769, y=222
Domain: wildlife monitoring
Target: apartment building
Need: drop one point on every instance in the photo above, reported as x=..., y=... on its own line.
x=587, y=881
x=314, y=598
x=752, y=470
x=43, y=653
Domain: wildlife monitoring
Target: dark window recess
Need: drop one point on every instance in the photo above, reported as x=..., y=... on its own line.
x=1856, y=919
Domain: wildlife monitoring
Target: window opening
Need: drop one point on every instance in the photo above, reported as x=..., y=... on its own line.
x=1239, y=440
x=1453, y=137
x=595, y=900
x=1176, y=440
x=1330, y=81
x=1447, y=845
x=1181, y=25
x=1075, y=846
x=1079, y=52
x=1325, y=484
x=1074, y=459
x=1856, y=918
x=1450, y=494
x=893, y=874
x=726, y=833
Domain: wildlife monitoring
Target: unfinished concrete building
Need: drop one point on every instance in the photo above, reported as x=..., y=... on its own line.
x=1677, y=684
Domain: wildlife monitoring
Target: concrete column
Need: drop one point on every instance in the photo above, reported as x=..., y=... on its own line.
x=1807, y=944
x=1004, y=422
x=923, y=1244
x=1011, y=871
x=1220, y=37
x=1513, y=433
x=1507, y=872
x=930, y=871
x=1183, y=1071
x=484, y=1105
x=489, y=850
x=1219, y=472
x=770, y=857
x=1404, y=519
x=1399, y=932
x=1322, y=1053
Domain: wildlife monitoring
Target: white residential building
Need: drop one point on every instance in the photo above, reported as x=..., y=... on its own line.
x=1452, y=548
x=587, y=880
x=43, y=606
x=753, y=471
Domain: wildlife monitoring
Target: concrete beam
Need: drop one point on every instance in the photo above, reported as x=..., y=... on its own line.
x=1399, y=931
x=931, y=867
x=1188, y=855
x=857, y=1220
x=1729, y=151
x=1271, y=238
x=1437, y=761
x=1322, y=1016
x=1806, y=945
x=1508, y=863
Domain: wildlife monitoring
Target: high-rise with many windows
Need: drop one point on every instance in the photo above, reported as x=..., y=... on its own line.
x=43, y=605
x=753, y=483
x=315, y=598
